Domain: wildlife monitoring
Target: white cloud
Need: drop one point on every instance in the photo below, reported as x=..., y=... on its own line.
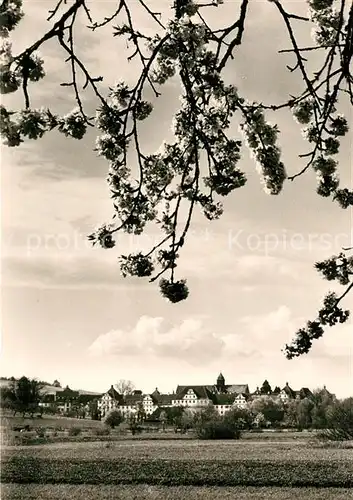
x=190, y=341
x=264, y=334
x=337, y=342
x=193, y=341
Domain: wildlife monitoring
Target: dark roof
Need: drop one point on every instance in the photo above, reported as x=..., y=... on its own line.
x=201, y=391
x=289, y=391
x=165, y=399
x=86, y=398
x=223, y=399
x=326, y=391
x=304, y=393
x=238, y=388
x=114, y=394
x=154, y=398
x=131, y=399
x=67, y=393
x=257, y=392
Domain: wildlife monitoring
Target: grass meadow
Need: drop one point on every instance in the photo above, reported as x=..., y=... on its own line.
x=279, y=466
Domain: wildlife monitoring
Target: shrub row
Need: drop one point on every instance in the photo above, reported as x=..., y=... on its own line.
x=178, y=473
x=22, y=440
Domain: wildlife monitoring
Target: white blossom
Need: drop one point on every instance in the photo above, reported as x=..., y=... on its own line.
x=73, y=124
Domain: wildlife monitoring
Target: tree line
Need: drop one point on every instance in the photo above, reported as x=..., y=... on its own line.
x=322, y=411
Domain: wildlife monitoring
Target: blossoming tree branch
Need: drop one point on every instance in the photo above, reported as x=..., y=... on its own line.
x=199, y=166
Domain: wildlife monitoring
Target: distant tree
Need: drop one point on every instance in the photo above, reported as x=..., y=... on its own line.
x=56, y=383
x=242, y=418
x=276, y=390
x=339, y=421
x=265, y=388
x=44, y=382
x=93, y=410
x=163, y=418
x=113, y=419
x=125, y=387
x=259, y=421
x=322, y=400
x=205, y=414
x=23, y=396
x=304, y=413
x=270, y=409
x=174, y=415
x=52, y=409
x=291, y=414
x=210, y=425
x=141, y=413
x=134, y=424
x=186, y=421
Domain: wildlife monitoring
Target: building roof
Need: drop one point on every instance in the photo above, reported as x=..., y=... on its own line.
x=67, y=393
x=304, y=392
x=131, y=399
x=201, y=391
x=257, y=392
x=289, y=391
x=238, y=388
x=223, y=399
x=165, y=399
x=113, y=393
x=89, y=393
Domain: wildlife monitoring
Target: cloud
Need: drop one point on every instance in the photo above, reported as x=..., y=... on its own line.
x=191, y=341
x=263, y=334
x=336, y=343
x=194, y=341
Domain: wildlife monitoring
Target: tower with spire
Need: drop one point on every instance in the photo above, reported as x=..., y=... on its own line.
x=221, y=383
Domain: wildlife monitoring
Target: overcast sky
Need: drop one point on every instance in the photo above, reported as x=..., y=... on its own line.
x=67, y=312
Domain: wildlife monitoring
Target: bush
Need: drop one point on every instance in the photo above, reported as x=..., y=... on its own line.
x=241, y=418
x=135, y=428
x=74, y=431
x=209, y=425
x=101, y=431
x=113, y=419
x=339, y=422
x=40, y=432
x=217, y=429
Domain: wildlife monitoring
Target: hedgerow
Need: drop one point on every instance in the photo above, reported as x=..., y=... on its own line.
x=331, y=473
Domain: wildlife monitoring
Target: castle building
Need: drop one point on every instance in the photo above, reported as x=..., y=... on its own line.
x=223, y=397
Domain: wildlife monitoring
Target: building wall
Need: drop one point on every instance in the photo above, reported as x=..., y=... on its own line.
x=189, y=400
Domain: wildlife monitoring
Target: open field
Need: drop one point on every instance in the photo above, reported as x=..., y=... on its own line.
x=8, y=421
x=146, y=492
x=191, y=450
x=56, y=429
x=276, y=465
x=176, y=463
